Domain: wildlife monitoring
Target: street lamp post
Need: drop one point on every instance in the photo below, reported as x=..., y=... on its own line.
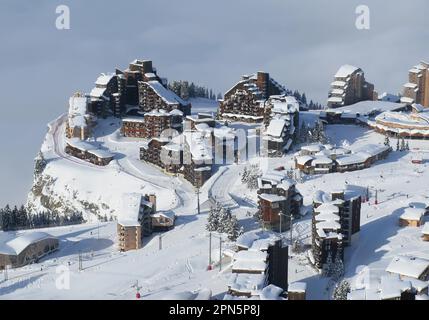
x=198, y=199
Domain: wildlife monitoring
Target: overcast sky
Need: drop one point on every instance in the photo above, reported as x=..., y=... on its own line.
x=301, y=43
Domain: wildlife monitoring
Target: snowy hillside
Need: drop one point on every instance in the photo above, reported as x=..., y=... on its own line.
x=69, y=183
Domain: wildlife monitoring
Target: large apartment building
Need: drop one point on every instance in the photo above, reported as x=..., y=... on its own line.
x=416, y=90
x=278, y=200
x=154, y=124
x=245, y=100
x=350, y=87
x=335, y=224
x=135, y=220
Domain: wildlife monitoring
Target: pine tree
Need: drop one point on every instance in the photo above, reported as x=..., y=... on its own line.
x=233, y=229
x=341, y=290
x=407, y=146
x=397, y=145
x=327, y=267
x=337, y=267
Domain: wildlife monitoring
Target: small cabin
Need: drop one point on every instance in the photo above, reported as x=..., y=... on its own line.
x=412, y=217
x=297, y=291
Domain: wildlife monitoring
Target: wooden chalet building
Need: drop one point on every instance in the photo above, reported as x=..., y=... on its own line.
x=152, y=125
x=189, y=154
x=151, y=152
x=409, y=267
x=297, y=291
x=26, y=249
x=277, y=196
x=245, y=100
x=412, y=217
x=322, y=159
x=88, y=152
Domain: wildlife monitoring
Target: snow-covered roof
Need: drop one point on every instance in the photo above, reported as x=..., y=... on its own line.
x=133, y=119
x=302, y=160
x=167, y=95
x=81, y=145
x=250, y=255
x=165, y=214
x=104, y=79
x=355, y=158
x=413, y=214
x=407, y=100
x=335, y=99
x=321, y=160
x=271, y=292
x=130, y=209
x=271, y=197
x=18, y=244
x=246, y=282
x=199, y=145
x=328, y=225
x=372, y=149
x=338, y=83
x=176, y=112
x=97, y=92
x=408, y=266
x=410, y=85
x=392, y=287
x=368, y=107
x=78, y=105
x=297, y=287
x=249, y=265
x=223, y=132
x=313, y=147
x=345, y=71
x=327, y=208
x=276, y=127
x=102, y=154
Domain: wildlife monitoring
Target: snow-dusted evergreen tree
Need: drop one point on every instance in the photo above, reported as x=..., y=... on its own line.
x=213, y=218
x=337, y=267
x=184, y=90
x=341, y=290
x=397, y=145
x=303, y=133
x=387, y=141
x=250, y=176
x=233, y=229
x=407, y=146
x=327, y=267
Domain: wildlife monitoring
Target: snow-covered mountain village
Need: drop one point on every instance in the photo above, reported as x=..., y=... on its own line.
x=142, y=192
x=167, y=151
